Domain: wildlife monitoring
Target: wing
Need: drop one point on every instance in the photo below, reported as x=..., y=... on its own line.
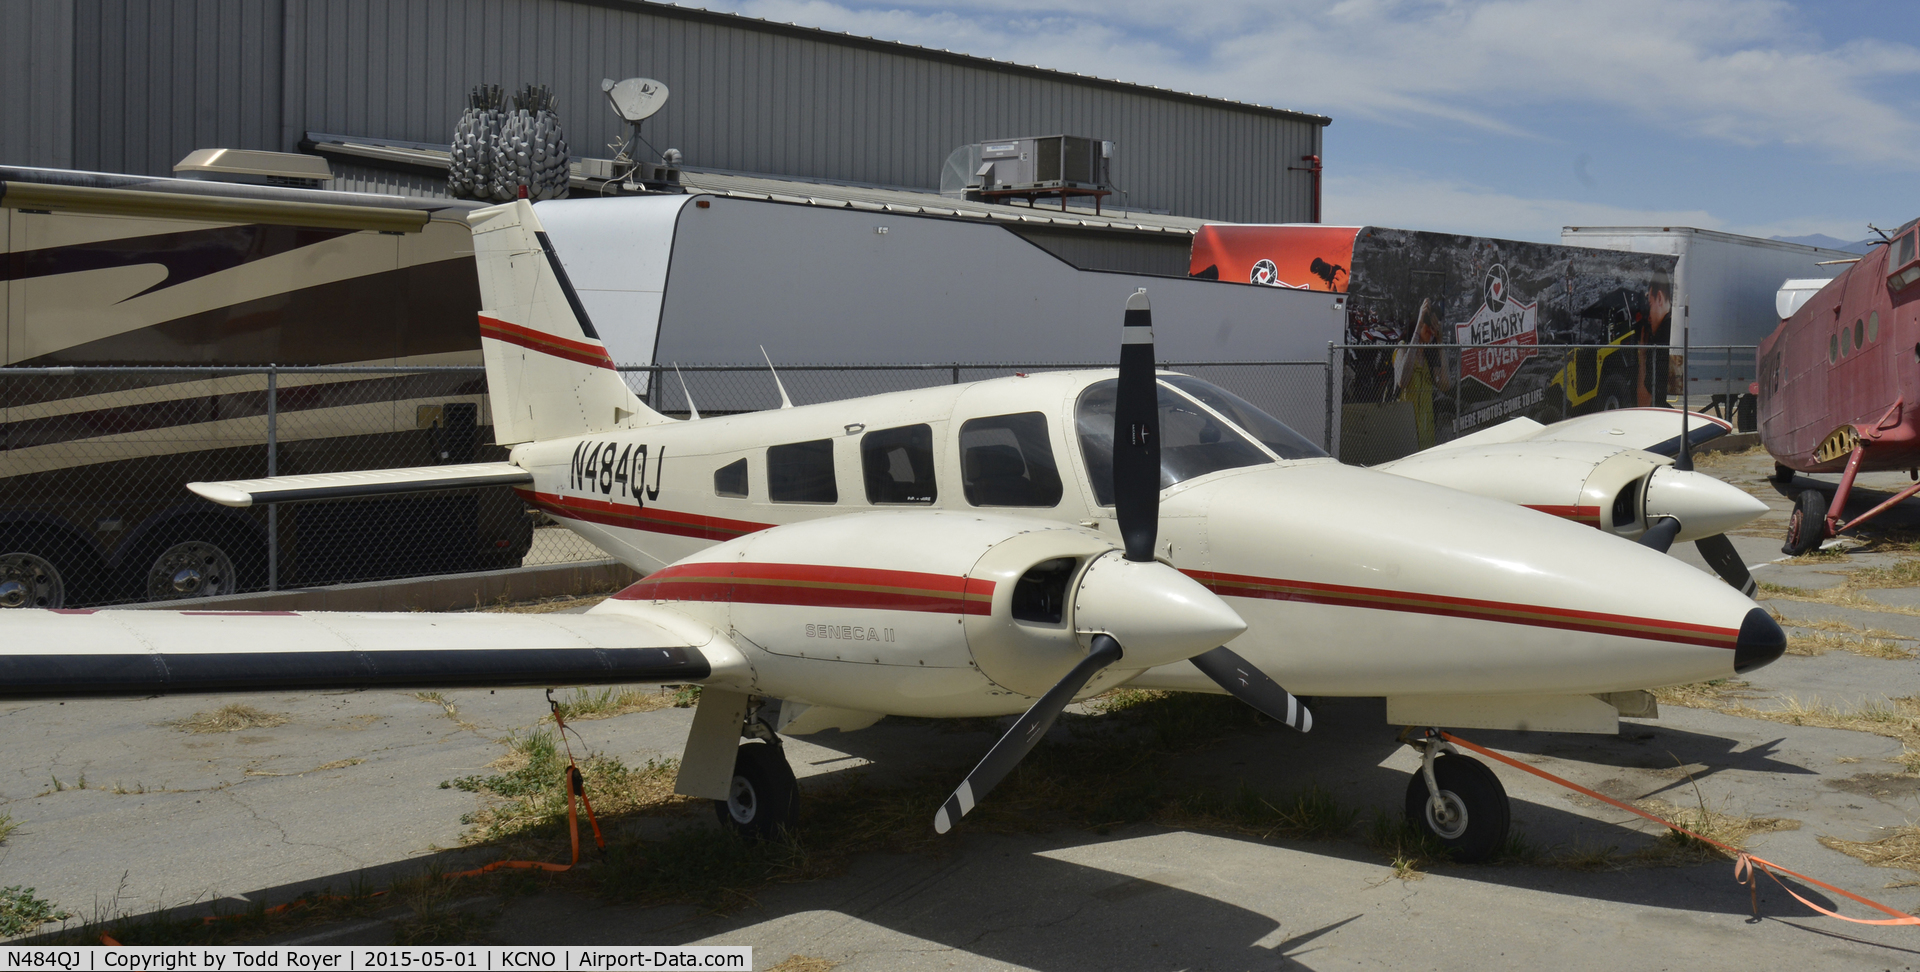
x=370, y=482
x=1655, y=430
x=84, y=653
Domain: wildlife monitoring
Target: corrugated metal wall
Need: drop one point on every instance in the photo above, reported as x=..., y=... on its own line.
x=155, y=79
x=36, y=76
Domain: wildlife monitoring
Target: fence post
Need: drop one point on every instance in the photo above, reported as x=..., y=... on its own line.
x=273, y=469
x=956, y=374
x=1333, y=387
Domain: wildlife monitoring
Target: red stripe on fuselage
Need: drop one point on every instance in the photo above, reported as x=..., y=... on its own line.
x=1590, y=515
x=1596, y=622
x=813, y=585
x=553, y=344
x=649, y=518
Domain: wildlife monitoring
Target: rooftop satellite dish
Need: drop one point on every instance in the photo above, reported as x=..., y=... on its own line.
x=635, y=99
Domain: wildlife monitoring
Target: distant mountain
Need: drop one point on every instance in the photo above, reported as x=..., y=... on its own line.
x=1823, y=240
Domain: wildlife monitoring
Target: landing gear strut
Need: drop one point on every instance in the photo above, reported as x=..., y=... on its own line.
x=763, y=797
x=1456, y=799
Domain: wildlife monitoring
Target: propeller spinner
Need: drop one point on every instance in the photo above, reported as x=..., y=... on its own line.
x=1163, y=615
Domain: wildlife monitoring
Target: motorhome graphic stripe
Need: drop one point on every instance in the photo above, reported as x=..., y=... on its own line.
x=1590, y=515
x=1276, y=589
x=553, y=344
x=649, y=518
x=814, y=585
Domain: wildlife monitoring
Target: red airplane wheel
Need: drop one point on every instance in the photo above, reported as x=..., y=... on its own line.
x=1808, y=527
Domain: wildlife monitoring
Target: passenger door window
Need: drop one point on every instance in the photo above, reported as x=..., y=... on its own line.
x=1006, y=460
x=898, y=465
x=802, y=472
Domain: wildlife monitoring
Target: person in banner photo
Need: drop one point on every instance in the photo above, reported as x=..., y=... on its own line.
x=1420, y=372
x=1651, y=375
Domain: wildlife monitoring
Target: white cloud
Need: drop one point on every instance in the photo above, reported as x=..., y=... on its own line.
x=1413, y=200
x=1746, y=72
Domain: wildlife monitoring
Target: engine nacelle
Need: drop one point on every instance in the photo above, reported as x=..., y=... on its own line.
x=1006, y=605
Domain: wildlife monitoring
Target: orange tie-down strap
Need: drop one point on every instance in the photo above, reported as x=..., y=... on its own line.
x=1746, y=867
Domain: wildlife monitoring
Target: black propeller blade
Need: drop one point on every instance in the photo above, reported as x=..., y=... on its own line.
x=1020, y=739
x=1136, y=434
x=1660, y=535
x=1252, y=686
x=1725, y=561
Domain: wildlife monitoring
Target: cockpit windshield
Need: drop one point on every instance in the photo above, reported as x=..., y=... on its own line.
x=1192, y=442
x=1285, y=442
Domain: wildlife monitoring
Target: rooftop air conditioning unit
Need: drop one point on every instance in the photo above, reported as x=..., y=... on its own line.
x=255, y=168
x=1045, y=162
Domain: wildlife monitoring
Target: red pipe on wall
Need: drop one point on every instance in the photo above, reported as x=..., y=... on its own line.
x=1312, y=168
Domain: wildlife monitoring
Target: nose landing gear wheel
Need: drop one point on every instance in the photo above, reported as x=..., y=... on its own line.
x=763, y=797
x=1473, y=815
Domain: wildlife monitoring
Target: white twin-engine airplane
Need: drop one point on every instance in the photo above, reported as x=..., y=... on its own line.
x=986, y=549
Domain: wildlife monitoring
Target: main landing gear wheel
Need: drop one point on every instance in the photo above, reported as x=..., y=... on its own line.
x=1472, y=815
x=1808, y=527
x=763, y=797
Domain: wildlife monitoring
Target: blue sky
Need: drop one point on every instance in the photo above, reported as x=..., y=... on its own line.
x=1511, y=117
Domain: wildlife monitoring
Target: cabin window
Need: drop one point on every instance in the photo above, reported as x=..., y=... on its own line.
x=801, y=472
x=1859, y=333
x=1873, y=326
x=1900, y=262
x=731, y=479
x=898, y=465
x=1833, y=349
x=1192, y=441
x=1006, y=460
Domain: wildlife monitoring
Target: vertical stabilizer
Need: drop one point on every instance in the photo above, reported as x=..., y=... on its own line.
x=548, y=373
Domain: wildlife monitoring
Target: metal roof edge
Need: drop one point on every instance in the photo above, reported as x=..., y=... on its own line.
x=1706, y=233
x=702, y=15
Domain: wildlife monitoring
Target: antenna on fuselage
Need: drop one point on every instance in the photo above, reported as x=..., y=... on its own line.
x=693, y=414
x=785, y=402
x=1684, y=461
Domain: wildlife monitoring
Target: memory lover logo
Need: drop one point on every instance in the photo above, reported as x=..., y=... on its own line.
x=1504, y=329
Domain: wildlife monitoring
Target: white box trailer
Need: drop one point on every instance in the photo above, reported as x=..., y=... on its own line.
x=1724, y=285
x=707, y=280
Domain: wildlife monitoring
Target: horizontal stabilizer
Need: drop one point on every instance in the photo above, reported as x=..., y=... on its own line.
x=69, y=654
x=369, y=482
x=1655, y=430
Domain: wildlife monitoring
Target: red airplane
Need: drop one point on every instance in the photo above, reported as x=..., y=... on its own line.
x=1833, y=385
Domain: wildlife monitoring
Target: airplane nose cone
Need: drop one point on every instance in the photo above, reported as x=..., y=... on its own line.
x=1158, y=614
x=1703, y=505
x=1760, y=642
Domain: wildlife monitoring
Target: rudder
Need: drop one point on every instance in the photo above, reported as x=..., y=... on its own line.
x=548, y=373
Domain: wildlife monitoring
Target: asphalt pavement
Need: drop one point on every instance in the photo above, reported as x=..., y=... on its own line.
x=121, y=812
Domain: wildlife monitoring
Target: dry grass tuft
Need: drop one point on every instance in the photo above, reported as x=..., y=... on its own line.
x=549, y=606
x=8, y=826
x=338, y=764
x=1732, y=829
x=1820, y=644
x=1897, y=719
x=1900, y=848
x=230, y=718
x=609, y=702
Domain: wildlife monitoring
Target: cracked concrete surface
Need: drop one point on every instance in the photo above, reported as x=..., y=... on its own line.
x=1141, y=897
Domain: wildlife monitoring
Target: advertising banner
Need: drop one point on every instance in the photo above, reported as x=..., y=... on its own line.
x=1452, y=327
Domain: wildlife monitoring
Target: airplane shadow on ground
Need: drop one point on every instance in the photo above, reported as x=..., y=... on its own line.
x=1013, y=898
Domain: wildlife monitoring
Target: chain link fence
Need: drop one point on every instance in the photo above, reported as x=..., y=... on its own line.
x=1396, y=399
x=94, y=464
x=94, y=461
